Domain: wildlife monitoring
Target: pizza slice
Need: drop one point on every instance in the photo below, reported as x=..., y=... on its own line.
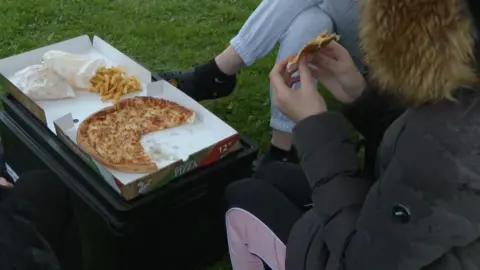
x=312, y=46
x=112, y=136
x=124, y=153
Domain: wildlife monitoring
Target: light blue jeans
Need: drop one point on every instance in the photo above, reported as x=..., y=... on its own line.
x=292, y=23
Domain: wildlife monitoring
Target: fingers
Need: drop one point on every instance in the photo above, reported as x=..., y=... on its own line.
x=322, y=60
x=335, y=47
x=328, y=53
x=281, y=66
x=293, y=81
x=5, y=183
x=334, y=51
x=305, y=73
x=321, y=73
x=280, y=80
x=278, y=74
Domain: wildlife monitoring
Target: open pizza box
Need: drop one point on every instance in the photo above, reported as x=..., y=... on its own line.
x=176, y=151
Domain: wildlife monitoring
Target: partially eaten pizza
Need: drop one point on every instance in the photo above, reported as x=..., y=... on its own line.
x=112, y=135
x=312, y=46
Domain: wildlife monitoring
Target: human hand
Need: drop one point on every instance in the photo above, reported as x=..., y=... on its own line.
x=4, y=183
x=296, y=103
x=333, y=66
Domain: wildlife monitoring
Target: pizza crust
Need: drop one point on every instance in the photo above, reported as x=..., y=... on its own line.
x=133, y=168
x=312, y=46
x=82, y=137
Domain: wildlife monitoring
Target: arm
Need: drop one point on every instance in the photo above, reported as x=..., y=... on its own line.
x=364, y=233
x=330, y=164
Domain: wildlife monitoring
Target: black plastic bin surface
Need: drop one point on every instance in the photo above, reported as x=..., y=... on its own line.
x=179, y=226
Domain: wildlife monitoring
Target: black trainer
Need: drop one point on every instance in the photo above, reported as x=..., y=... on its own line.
x=203, y=82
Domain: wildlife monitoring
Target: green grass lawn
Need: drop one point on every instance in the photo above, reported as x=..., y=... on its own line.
x=162, y=34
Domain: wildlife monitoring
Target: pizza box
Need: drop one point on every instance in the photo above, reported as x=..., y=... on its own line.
x=176, y=151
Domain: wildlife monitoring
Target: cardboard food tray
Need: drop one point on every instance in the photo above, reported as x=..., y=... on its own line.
x=176, y=151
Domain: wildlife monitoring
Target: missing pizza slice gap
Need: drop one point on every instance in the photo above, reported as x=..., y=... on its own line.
x=112, y=135
x=312, y=46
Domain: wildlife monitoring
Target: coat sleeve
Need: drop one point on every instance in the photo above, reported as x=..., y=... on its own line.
x=415, y=213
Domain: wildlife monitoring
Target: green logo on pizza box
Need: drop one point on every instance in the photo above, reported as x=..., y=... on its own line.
x=185, y=167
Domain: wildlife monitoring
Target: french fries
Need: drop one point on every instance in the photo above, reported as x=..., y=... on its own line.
x=112, y=83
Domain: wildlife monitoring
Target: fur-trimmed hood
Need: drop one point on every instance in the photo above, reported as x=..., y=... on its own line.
x=421, y=50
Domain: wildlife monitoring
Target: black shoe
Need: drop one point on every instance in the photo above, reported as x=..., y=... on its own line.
x=203, y=82
x=275, y=154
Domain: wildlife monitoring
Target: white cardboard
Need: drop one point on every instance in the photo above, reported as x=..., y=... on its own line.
x=86, y=102
x=165, y=147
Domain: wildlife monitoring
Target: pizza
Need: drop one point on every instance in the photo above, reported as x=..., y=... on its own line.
x=112, y=135
x=312, y=46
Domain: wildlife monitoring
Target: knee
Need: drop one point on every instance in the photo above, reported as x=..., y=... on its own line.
x=238, y=191
x=306, y=26
x=247, y=192
x=272, y=170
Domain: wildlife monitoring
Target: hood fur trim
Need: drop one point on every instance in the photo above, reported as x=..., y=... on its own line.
x=421, y=50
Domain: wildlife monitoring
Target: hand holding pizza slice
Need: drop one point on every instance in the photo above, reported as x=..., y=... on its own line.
x=311, y=47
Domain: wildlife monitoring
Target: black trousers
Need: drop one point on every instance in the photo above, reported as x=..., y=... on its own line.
x=278, y=196
x=52, y=215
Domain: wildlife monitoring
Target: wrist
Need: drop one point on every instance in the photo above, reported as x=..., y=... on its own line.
x=356, y=89
x=309, y=114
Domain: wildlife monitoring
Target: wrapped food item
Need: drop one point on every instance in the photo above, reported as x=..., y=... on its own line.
x=41, y=83
x=76, y=69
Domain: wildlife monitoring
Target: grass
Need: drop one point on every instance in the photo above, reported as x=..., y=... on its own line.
x=162, y=34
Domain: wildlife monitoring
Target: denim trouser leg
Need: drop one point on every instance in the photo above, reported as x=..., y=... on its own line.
x=292, y=24
x=266, y=25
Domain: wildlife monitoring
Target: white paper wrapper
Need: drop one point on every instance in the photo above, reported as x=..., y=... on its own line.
x=75, y=68
x=41, y=83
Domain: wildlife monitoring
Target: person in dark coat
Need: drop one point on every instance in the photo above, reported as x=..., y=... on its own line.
x=37, y=228
x=415, y=205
